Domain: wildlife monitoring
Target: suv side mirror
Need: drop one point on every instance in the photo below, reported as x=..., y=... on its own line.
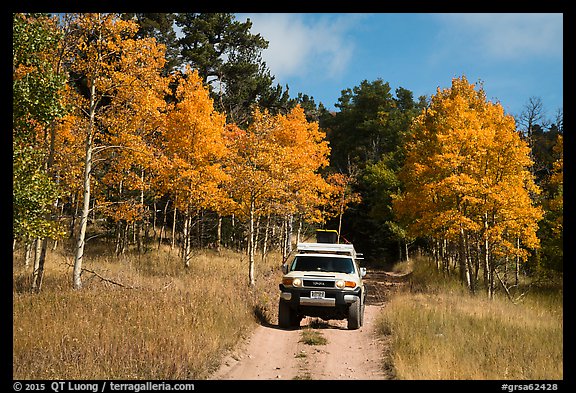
x=362, y=271
x=285, y=268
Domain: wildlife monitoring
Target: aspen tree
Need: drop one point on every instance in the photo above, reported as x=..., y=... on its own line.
x=254, y=166
x=106, y=61
x=192, y=146
x=467, y=176
x=273, y=168
x=37, y=86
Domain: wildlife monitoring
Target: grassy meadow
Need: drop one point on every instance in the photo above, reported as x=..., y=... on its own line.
x=167, y=323
x=441, y=332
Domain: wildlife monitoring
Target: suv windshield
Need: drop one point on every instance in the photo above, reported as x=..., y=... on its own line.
x=323, y=264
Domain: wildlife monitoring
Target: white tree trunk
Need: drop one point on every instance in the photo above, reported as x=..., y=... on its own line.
x=173, y=227
x=40, y=257
x=79, y=255
x=219, y=233
x=265, y=242
x=289, y=230
x=251, y=245
x=186, y=249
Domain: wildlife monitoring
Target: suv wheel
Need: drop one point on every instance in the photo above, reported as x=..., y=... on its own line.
x=355, y=315
x=287, y=317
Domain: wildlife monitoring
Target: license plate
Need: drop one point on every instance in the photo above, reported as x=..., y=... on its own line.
x=317, y=294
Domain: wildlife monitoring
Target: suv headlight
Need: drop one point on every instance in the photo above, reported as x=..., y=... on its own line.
x=291, y=281
x=345, y=284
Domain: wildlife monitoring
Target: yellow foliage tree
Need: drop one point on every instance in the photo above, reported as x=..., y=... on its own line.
x=273, y=168
x=305, y=151
x=467, y=181
x=255, y=169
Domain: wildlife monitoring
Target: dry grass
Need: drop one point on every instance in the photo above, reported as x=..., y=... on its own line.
x=173, y=324
x=439, y=331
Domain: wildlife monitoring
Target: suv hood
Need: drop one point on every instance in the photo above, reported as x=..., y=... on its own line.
x=322, y=275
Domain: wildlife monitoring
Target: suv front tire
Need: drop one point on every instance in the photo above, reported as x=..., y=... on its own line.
x=356, y=315
x=287, y=317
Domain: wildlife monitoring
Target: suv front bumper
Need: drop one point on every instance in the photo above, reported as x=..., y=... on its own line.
x=333, y=297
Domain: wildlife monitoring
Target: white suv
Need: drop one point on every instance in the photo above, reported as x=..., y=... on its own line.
x=322, y=280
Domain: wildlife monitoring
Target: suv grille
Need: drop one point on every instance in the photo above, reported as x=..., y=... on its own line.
x=319, y=283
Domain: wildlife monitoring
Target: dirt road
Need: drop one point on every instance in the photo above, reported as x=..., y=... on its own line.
x=274, y=353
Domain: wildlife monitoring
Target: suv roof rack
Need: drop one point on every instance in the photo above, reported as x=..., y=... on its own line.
x=328, y=248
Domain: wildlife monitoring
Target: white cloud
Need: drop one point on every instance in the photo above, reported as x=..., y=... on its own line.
x=506, y=35
x=300, y=45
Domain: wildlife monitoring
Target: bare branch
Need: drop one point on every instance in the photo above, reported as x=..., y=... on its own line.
x=102, y=278
x=107, y=279
x=507, y=290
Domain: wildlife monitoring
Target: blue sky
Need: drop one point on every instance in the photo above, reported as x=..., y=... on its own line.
x=515, y=56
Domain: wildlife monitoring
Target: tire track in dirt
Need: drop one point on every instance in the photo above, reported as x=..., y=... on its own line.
x=274, y=353
x=348, y=354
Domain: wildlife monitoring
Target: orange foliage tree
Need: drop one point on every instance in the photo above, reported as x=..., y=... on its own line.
x=114, y=76
x=192, y=148
x=129, y=145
